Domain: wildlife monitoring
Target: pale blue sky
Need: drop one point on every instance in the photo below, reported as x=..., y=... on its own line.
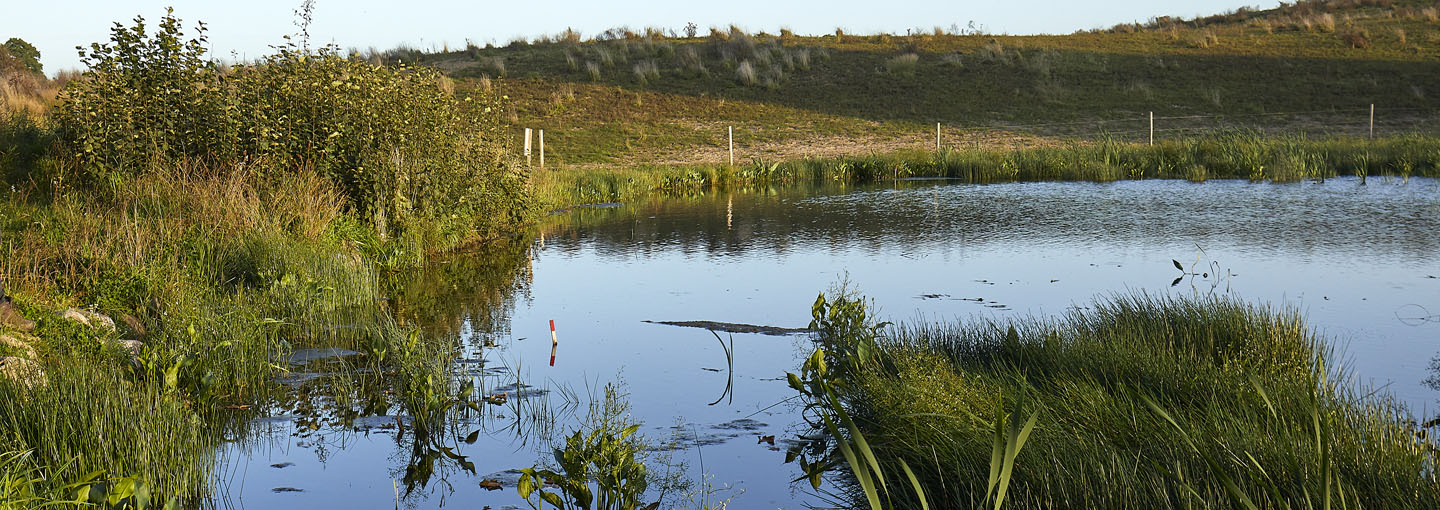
x=249, y=27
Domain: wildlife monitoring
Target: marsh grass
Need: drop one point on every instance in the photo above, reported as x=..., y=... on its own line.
x=1142, y=401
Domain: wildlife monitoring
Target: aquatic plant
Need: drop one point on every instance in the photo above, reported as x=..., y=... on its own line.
x=1158, y=401
x=600, y=466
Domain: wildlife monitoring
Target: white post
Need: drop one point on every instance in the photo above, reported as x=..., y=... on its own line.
x=1152, y=128
x=731, y=133
x=937, y=136
x=527, y=146
x=542, y=149
x=1372, y=121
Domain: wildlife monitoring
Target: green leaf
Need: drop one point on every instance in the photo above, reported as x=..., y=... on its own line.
x=142, y=496
x=553, y=499
x=526, y=485
x=915, y=484
x=796, y=383
x=470, y=439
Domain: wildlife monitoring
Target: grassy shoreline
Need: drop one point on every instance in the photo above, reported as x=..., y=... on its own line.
x=1236, y=155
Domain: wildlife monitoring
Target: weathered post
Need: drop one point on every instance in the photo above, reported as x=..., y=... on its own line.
x=937, y=137
x=730, y=130
x=1372, y=121
x=1152, y=128
x=527, y=147
x=542, y=149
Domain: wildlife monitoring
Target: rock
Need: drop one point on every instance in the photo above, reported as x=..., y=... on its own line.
x=133, y=346
x=88, y=318
x=136, y=328
x=19, y=342
x=10, y=316
x=23, y=370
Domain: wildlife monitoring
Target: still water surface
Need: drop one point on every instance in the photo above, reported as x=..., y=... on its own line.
x=1359, y=261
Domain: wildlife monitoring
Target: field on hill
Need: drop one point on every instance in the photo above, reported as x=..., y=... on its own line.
x=653, y=95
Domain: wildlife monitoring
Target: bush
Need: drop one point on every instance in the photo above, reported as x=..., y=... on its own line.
x=26, y=54
x=145, y=98
x=393, y=139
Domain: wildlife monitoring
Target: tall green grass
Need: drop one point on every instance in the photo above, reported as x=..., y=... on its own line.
x=1142, y=402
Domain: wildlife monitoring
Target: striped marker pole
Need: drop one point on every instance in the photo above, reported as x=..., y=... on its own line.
x=554, y=342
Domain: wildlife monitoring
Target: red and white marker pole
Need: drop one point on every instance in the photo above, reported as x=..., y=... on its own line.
x=554, y=342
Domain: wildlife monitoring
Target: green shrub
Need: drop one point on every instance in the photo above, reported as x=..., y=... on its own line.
x=395, y=140
x=145, y=97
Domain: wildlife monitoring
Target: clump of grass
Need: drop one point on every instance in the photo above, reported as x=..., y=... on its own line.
x=745, y=73
x=802, y=58
x=494, y=64
x=1431, y=14
x=1357, y=38
x=1202, y=39
x=1141, y=400
x=593, y=70
x=691, y=63
x=903, y=65
x=646, y=71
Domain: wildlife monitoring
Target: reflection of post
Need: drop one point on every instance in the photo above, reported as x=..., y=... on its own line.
x=552, y=355
x=729, y=211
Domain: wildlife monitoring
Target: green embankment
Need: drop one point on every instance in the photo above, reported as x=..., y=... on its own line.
x=648, y=96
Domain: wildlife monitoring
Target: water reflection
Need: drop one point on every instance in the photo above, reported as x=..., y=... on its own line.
x=1395, y=219
x=622, y=282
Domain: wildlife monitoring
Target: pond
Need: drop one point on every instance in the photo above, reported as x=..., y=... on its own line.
x=1359, y=261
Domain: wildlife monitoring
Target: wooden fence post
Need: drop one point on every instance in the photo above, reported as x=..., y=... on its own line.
x=937, y=136
x=730, y=130
x=527, y=147
x=1372, y=121
x=542, y=149
x=1152, y=128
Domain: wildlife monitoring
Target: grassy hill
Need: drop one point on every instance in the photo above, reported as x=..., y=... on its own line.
x=652, y=96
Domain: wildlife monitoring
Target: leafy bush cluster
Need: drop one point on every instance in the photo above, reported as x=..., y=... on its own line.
x=396, y=140
x=20, y=55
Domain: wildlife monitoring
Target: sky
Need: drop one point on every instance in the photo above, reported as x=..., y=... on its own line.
x=246, y=29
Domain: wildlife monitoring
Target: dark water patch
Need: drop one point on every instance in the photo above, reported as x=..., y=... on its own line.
x=520, y=391
x=745, y=424
x=301, y=357
x=735, y=327
x=296, y=379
